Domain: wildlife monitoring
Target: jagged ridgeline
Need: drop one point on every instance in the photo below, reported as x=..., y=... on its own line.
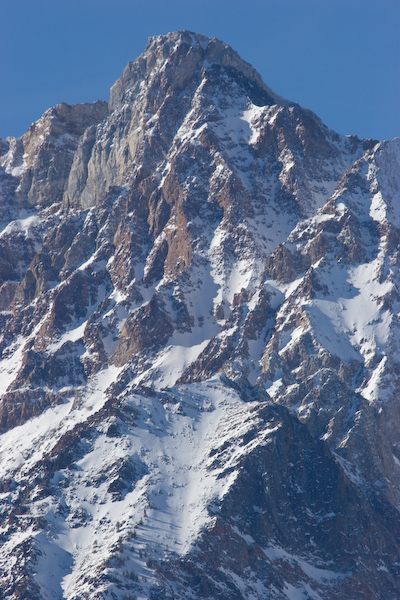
x=199, y=375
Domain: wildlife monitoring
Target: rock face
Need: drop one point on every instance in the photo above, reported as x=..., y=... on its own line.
x=199, y=378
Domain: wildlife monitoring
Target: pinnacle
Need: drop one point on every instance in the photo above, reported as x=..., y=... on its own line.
x=182, y=36
x=185, y=52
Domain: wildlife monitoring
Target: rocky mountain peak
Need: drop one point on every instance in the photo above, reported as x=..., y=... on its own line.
x=174, y=59
x=199, y=350
x=45, y=152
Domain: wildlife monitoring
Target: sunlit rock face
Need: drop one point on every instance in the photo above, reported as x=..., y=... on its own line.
x=199, y=378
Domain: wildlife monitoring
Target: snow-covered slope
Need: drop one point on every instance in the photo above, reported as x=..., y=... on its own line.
x=199, y=294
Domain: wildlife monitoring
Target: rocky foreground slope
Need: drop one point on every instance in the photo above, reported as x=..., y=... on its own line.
x=199, y=376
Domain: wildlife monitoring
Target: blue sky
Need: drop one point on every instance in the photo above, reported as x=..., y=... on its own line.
x=340, y=58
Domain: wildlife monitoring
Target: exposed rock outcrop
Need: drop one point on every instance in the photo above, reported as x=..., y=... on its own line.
x=199, y=374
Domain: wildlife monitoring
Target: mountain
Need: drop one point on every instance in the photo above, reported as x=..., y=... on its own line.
x=199, y=375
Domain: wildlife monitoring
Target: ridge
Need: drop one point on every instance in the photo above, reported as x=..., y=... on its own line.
x=189, y=52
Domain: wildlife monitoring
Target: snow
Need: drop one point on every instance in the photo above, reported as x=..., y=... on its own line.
x=172, y=443
x=23, y=446
x=73, y=335
x=26, y=225
x=348, y=319
x=303, y=593
x=376, y=388
x=229, y=274
x=64, y=139
x=94, y=264
x=320, y=575
x=11, y=363
x=327, y=325
x=378, y=208
x=290, y=338
x=171, y=362
x=275, y=388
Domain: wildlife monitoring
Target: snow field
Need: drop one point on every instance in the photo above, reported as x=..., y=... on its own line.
x=171, y=445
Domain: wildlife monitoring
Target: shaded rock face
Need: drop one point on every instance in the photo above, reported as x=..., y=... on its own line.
x=44, y=153
x=199, y=392
x=289, y=499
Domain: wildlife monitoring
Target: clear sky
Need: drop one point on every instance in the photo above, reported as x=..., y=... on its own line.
x=340, y=58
